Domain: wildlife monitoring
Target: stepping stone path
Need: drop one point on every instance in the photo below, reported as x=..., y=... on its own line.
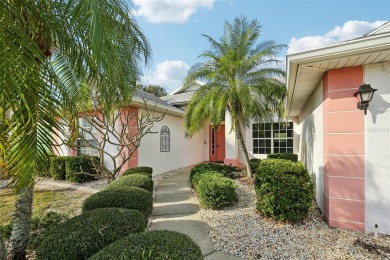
x=175, y=209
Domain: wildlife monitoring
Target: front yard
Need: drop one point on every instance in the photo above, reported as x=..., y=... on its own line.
x=241, y=231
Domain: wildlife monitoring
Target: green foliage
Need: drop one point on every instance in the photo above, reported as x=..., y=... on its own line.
x=70, y=168
x=133, y=180
x=286, y=156
x=80, y=168
x=41, y=225
x=254, y=164
x=159, y=244
x=226, y=170
x=284, y=189
x=128, y=198
x=156, y=90
x=148, y=171
x=86, y=234
x=214, y=190
x=57, y=167
x=43, y=167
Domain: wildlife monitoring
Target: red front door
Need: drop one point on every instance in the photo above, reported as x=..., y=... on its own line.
x=217, y=143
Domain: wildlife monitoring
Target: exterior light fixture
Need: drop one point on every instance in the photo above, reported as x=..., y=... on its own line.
x=364, y=95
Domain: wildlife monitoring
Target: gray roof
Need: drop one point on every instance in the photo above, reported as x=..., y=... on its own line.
x=152, y=98
x=183, y=97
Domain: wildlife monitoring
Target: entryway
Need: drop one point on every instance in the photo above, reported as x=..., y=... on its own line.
x=217, y=143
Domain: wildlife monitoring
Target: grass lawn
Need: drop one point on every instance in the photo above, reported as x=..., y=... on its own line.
x=64, y=201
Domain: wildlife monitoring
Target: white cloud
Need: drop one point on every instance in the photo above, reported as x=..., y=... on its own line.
x=172, y=11
x=168, y=74
x=349, y=30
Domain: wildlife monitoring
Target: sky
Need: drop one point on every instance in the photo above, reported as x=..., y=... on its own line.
x=174, y=28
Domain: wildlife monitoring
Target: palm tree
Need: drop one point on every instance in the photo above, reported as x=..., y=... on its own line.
x=53, y=53
x=238, y=81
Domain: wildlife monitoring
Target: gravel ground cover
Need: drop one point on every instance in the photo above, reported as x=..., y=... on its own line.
x=241, y=231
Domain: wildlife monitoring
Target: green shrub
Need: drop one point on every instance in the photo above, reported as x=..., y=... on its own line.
x=129, y=198
x=160, y=244
x=133, y=180
x=57, y=167
x=80, y=168
x=140, y=170
x=254, y=164
x=284, y=189
x=86, y=234
x=43, y=167
x=215, y=191
x=41, y=225
x=226, y=170
x=286, y=156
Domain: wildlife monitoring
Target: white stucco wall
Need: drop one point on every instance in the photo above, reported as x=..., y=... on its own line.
x=377, y=147
x=309, y=134
x=183, y=151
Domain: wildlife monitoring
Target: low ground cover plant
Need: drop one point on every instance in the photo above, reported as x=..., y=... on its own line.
x=226, y=170
x=133, y=180
x=286, y=156
x=86, y=234
x=144, y=170
x=161, y=244
x=284, y=189
x=128, y=198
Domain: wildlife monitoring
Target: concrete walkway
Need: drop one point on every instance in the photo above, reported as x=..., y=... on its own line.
x=175, y=209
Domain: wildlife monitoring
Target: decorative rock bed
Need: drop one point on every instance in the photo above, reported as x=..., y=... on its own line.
x=241, y=231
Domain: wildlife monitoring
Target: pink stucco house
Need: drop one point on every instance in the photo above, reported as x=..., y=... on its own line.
x=346, y=151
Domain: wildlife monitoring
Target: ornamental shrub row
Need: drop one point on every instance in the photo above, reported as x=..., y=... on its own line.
x=254, y=164
x=71, y=168
x=84, y=235
x=286, y=156
x=159, y=244
x=128, y=198
x=284, y=189
x=144, y=170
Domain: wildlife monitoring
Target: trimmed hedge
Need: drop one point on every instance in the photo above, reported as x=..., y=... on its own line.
x=86, y=234
x=128, y=198
x=215, y=191
x=57, y=167
x=226, y=170
x=43, y=167
x=75, y=166
x=68, y=167
x=145, y=170
x=286, y=156
x=133, y=180
x=159, y=244
x=284, y=189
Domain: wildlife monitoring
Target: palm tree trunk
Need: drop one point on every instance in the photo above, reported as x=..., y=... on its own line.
x=21, y=225
x=241, y=145
x=2, y=249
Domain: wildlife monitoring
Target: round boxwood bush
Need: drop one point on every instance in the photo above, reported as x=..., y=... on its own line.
x=86, y=234
x=133, y=180
x=160, y=244
x=128, y=198
x=254, y=164
x=215, y=191
x=145, y=170
x=286, y=156
x=284, y=189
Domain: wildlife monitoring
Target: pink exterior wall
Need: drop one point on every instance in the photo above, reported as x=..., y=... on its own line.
x=344, y=195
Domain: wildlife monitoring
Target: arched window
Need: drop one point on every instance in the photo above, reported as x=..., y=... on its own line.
x=165, y=139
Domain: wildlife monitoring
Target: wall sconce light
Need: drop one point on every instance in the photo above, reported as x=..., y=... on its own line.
x=364, y=95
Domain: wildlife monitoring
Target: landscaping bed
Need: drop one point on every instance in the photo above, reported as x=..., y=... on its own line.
x=241, y=231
